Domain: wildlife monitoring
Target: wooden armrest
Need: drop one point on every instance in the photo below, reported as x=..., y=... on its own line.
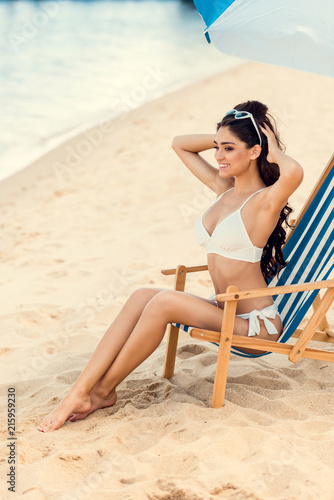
x=191, y=269
x=278, y=290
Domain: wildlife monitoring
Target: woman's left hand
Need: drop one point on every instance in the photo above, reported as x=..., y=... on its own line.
x=273, y=149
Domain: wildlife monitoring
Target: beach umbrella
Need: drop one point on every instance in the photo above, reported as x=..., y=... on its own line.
x=292, y=33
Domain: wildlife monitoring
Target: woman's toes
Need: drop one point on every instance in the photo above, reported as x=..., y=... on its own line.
x=51, y=422
x=43, y=427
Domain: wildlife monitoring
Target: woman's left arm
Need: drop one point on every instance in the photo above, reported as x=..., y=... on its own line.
x=291, y=173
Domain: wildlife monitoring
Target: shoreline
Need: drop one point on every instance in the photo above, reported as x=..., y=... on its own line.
x=109, y=125
x=106, y=126
x=56, y=141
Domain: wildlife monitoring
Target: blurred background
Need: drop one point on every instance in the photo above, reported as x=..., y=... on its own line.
x=69, y=65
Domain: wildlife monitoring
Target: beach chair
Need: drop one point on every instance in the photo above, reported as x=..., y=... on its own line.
x=309, y=253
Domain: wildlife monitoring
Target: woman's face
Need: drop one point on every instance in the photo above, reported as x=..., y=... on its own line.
x=231, y=154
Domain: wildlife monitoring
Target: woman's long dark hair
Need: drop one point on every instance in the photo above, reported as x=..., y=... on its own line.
x=272, y=260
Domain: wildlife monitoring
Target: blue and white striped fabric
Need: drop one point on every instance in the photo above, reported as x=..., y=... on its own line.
x=310, y=253
x=310, y=256
x=292, y=33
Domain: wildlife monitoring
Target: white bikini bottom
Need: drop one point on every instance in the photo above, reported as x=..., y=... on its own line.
x=269, y=312
x=265, y=314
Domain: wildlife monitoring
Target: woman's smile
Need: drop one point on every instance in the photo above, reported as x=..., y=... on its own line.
x=223, y=166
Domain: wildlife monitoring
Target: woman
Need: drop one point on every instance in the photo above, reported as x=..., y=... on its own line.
x=242, y=233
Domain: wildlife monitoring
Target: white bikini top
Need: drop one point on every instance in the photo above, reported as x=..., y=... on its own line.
x=229, y=238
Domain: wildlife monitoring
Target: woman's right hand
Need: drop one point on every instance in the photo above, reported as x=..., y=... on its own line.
x=188, y=147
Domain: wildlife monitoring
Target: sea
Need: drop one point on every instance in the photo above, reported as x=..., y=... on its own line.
x=66, y=66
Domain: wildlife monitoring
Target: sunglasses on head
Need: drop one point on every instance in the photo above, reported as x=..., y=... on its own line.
x=239, y=115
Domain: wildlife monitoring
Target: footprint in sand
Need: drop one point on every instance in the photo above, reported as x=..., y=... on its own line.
x=69, y=377
x=135, y=387
x=31, y=323
x=68, y=457
x=32, y=455
x=263, y=380
x=190, y=350
x=3, y=350
x=172, y=492
x=142, y=393
x=130, y=480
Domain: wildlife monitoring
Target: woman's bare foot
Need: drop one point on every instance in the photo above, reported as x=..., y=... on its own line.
x=71, y=403
x=97, y=402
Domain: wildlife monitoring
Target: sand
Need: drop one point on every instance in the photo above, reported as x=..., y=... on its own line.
x=100, y=216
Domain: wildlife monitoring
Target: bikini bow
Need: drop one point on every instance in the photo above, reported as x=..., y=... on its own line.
x=254, y=321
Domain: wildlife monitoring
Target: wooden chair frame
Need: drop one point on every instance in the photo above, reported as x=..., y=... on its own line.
x=316, y=329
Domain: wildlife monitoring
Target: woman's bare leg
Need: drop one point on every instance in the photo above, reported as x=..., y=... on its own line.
x=164, y=307
x=79, y=399
x=137, y=348
x=85, y=396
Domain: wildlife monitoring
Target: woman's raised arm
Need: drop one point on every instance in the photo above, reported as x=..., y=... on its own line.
x=188, y=147
x=291, y=173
